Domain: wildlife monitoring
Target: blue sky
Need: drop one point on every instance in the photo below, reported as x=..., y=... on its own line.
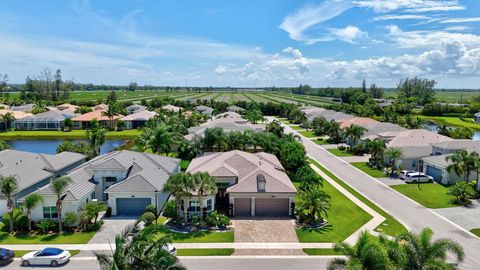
x=243, y=43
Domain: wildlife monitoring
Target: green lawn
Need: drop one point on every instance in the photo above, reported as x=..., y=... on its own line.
x=201, y=237
x=476, y=231
x=430, y=195
x=308, y=133
x=339, y=153
x=205, y=252
x=74, y=134
x=368, y=170
x=67, y=238
x=453, y=121
x=320, y=141
x=298, y=128
x=184, y=164
x=20, y=253
x=390, y=226
x=320, y=251
x=344, y=218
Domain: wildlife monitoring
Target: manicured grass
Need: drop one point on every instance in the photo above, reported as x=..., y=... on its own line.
x=344, y=218
x=339, y=153
x=390, y=226
x=308, y=134
x=20, y=253
x=298, y=128
x=201, y=237
x=161, y=220
x=476, y=231
x=320, y=251
x=430, y=195
x=453, y=121
x=74, y=134
x=66, y=238
x=184, y=164
x=205, y=252
x=320, y=142
x=363, y=166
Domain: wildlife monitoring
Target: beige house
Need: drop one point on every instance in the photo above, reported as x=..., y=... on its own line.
x=249, y=184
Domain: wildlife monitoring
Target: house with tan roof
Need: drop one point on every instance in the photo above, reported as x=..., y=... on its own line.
x=67, y=107
x=138, y=119
x=358, y=121
x=84, y=121
x=251, y=184
x=171, y=108
x=127, y=181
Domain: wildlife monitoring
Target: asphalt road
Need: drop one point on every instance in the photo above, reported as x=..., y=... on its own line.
x=404, y=209
x=209, y=263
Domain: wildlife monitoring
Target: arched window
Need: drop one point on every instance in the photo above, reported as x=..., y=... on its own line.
x=261, y=183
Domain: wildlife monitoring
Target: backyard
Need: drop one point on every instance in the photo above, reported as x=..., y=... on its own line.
x=430, y=195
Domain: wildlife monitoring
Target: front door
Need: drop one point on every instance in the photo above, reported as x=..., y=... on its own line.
x=222, y=201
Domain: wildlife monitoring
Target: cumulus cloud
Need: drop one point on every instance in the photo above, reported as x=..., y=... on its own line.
x=220, y=69
x=349, y=33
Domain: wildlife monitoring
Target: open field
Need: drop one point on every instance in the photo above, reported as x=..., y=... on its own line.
x=445, y=96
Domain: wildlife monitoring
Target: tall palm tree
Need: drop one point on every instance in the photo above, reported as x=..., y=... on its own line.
x=205, y=186
x=354, y=133
x=181, y=185
x=248, y=140
x=59, y=186
x=136, y=249
x=8, y=118
x=8, y=186
x=276, y=128
x=31, y=201
x=423, y=253
x=377, y=149
x=462, y=163
x=393, y=154
x=476, y=166
x=367, y=254
x=334, y=131
x=234, y=140
x=111, y=112
x=314, y=203
x=214, y=138
x=96, y=137
x=160, y=140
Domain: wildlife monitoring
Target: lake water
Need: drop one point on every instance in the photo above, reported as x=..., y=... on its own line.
x=433, y=127
x=50, y=146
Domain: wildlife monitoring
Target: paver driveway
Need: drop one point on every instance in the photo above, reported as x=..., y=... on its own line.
x=110, y=228
x=264, y=230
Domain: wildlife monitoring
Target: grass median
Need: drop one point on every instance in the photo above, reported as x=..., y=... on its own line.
x=205, y=252
x=390, y=226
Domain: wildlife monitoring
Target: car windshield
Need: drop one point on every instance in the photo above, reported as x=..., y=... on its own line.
x=3, y=252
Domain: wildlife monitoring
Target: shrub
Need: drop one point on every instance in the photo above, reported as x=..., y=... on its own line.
x=70, y=219
x=46, y=225
x=341, y=148
x=150, y=208
x=195, y=220
x=223, y=221
x=170, y=209
x=215, y=219
x=463, y=192
x=148, y=218
x=6, y=218
x=21, y=222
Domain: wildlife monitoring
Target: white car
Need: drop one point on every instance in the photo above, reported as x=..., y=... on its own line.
x=404, y=174
x=418, y=177
x=46, y=256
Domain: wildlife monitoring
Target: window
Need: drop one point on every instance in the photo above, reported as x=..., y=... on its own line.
x=261, y=182
x=50, y=212
x=209, y=204
x=110, y=179
x=194, y=206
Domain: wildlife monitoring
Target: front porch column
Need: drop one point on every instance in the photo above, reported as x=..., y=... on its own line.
x=252, y=206
x=290, y=201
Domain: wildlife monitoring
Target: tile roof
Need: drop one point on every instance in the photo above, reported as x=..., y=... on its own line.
x=172, y=108
x=55, y=115
x=359, y=121
x=17, y=114
x=227, y=124
x=235, y=108
x=143, y=115
x=228, y=115
x=416, y=142
x=439, y=160
x=245, y=167
x=97, y=114
x=469, y=145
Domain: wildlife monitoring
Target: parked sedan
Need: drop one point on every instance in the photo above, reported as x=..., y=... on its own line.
x=46, y=256
x=404, y=174
x=6, y=256
x=418, y=177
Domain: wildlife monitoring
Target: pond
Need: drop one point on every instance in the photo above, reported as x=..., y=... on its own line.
x=50, y=146
x=433, y=127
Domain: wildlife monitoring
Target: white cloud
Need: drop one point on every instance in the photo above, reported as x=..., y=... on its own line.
x=413, y=6
x=297, y=23
x=461, y=20
x=349, y=33
x=220, y=69
x=401, y=17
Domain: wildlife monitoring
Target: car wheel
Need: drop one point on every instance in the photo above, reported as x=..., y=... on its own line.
x=25, y=263
x=430, y=181
x=54, y=263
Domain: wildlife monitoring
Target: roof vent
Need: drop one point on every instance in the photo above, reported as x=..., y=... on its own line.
x=261, y=183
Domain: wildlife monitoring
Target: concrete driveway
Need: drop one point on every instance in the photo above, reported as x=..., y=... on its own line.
x=467, y=217
x=110, y=228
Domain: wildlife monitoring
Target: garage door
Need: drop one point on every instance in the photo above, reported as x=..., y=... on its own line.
x=132, y=206
x=242, y=207
x=435, y=173
x=271, y=207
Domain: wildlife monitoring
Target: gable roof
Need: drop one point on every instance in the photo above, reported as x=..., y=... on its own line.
x=245, y=167
x=142, y=115
x=416, y=142
x=358, y=121
x=453, y=145
x=17, y=114
x=235, y=108
x=97, y=114
x=227, y=124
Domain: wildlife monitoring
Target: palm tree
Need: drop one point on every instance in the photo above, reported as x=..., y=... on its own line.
x=214, y=138
x=314, y=203
x=111, y=112
x=476, y=166
x=354, y=133
x=59, y=186
x=181, y=185
x=31, y=201
x=423, y=253
x=249, y=140
x=334, y=131
x=160, y=140
x=96, y=137
x=8, y=186
x=393, y=154
x=8, y=118
x=205, y=186
x=377, y=149
x=367, y=254
x=137, y=249
x=234, y=140
x=462, y=164
x=276, y=128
